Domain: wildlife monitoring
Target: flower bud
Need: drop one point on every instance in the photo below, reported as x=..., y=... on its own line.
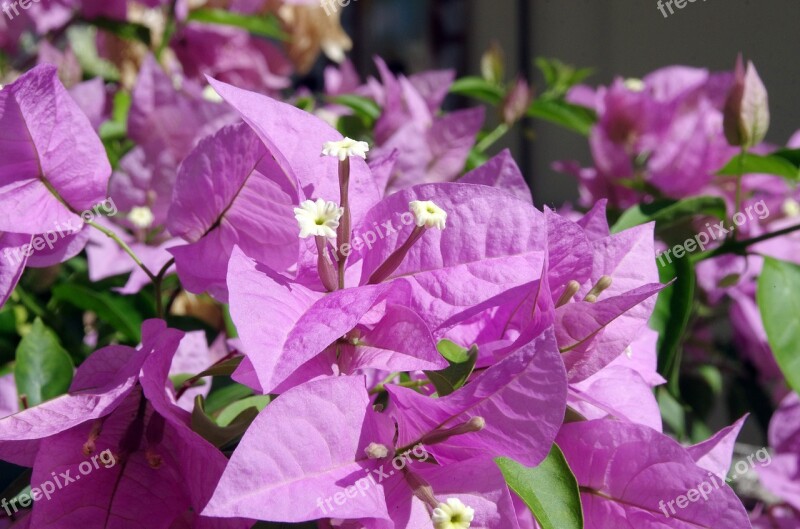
x=746, y=113
x=517, y=102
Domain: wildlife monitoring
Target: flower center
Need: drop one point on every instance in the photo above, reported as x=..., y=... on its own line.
x=141, y=217
x=318, y=219
x=452, y=514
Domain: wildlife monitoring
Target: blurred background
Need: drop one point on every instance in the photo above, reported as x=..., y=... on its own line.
x=621, y=37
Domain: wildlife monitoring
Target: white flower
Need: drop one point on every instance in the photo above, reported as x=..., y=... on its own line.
x=209, y=94
x=318, y=219
x=452, y=515
x=428, y=214
x=634, y=85
x=141, y=217
x=344, y=148
x=791, y=208
x=376, y=451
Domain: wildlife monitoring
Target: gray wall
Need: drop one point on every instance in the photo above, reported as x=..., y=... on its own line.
x=631, y=38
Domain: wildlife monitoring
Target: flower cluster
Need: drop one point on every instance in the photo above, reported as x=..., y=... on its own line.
x=486, y=364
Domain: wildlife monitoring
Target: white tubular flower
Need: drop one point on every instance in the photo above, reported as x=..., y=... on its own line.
x=791, y=208
x=634, y=85
x=141, y=217
x=376, y=451
x=209, y=94
x=452, y=515
x=345, y=148
x=318, y=219
x=428, y=214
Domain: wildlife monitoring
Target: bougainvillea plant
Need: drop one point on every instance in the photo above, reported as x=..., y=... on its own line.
x=227, y=301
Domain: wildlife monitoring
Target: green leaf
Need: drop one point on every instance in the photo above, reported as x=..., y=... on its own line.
x=230, y=327
x=43, y=369
x=114, y=310
x=182, y=378
x=217, y=435
x=125, y=30
x=112, y=130
x=462, y=362
x=671, y=316
x=573, y=117
x=365, y=108
x=560, y=77
x=672, y=412
x=305, y=103
x=790, y=155
x=779, y=303
x=116, y=128
x=263, y=25
x=229, y=414
x=223, y=369
x=478, y=88
x=667, y=212
x=550, y=490
x=82, y=39
x=224, y=396
x=475, y=159
x=774, y=164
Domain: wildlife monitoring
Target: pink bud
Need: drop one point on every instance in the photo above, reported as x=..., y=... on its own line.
x=517, y=101
x=747, y=108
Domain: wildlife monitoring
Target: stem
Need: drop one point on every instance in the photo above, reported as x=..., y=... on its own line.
x=492, y=137
x=343, y=233
x=125, y=247
x=739, y=175
x=157, y=279
x=158, y=283
x=169, y=30
x=737, y=247
x=410, y=384
x=189, y=382
x=380, y=386
x=393, y=261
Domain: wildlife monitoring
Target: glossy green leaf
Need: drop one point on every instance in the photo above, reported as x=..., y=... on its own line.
x=462, y=362
x=671, y=316
x=43, y=369
x=573, y=117
x=667, y=212
x=560, y=77
x=790, y=155
x=779, y=165
x=117, y=311
x=672, y=412
x=779, y=303
x=262, y=25
x=224, y=396
x=478, y=88
x=229, y=414
x=215, y=434
x=550, y=490
x=222, y=369
x=124, y=30
x=365, y=108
